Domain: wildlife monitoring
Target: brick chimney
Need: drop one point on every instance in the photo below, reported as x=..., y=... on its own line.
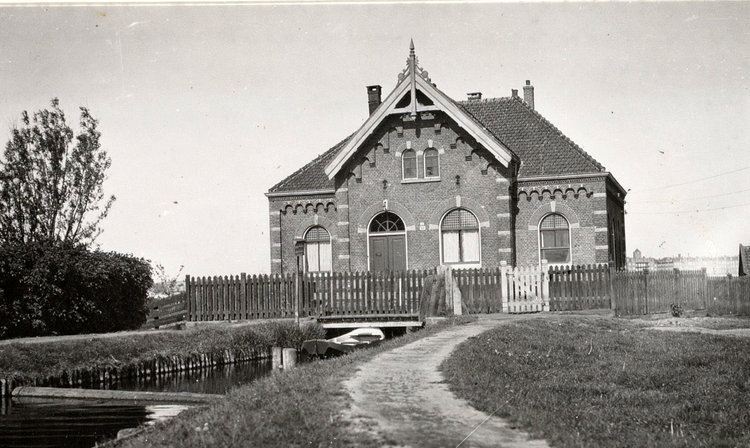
x=474, y=96
x=514, y=93
x=528, y=94
x=374, y=97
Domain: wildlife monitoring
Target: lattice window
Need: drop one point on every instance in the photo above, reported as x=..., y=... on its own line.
x=460, y=219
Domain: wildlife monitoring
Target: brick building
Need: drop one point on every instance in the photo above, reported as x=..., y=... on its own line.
x=427, y=180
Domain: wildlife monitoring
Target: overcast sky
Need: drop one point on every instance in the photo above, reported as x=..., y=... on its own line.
x=204, y=108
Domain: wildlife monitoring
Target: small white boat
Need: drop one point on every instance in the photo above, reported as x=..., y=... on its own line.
x=361, y=337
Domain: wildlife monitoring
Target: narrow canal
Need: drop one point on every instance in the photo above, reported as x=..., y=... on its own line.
x=36, y=422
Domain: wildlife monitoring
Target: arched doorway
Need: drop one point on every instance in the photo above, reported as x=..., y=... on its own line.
x=387, y=242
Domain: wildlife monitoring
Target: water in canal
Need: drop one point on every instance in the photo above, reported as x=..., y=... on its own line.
x=36, y=422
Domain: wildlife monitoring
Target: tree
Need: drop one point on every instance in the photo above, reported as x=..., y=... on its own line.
x=51, y=188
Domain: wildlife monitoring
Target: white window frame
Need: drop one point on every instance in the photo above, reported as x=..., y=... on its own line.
x=416, y=167
x=539, y=240
x=461, y=264
x=306, y=268
x=424, y=164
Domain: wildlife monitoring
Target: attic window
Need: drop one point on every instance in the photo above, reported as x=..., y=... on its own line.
x=409, y=164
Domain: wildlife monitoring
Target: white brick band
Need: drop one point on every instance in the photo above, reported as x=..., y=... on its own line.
x=343, y=240
x=275, y=229
x=605, y=247
x=503, y=232
x=600, y=229
x=504, y=197
x=600, y=195
x=600, y=212
x=275, y=213
x=276, y=260
x=343, y=257
x=504, y=250
x=503, y=215
x=343, y=206
x=276, y=245
x=342, y=223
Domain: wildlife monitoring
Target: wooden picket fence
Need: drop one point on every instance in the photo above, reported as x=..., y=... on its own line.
x=489, y=290
x=728, y=295
x=504, y=289
x=320, y=294
x=639, y=293
x=574, y=288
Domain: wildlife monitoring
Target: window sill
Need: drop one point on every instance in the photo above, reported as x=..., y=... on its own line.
x=418, y=181
x=464, y=265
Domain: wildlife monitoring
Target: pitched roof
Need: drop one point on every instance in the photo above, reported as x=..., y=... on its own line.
x=744, y=260
x=311, y=176
x=542, y=148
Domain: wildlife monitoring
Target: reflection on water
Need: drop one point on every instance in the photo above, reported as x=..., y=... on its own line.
x=35, y=422
x=74, y=423
x=216, y=380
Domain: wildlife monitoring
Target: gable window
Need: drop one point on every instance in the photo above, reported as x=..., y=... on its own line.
x=554, y=239
x=431, y=163
x=318, y=249
x=460, y=236
x=409, y=161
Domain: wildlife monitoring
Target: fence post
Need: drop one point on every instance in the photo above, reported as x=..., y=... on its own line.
x=545, y=286
x=504, y=285
x=296, y=297
x=189, y=298
x=610, y=276
x=704, y=286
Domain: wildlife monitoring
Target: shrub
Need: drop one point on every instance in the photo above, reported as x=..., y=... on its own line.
x=53, y=288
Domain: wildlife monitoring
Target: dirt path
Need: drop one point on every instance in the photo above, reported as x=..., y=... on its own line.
x=401, y=398
x=738, y=332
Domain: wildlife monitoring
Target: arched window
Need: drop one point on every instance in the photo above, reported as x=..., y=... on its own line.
x=431, y=163
x=318, y=249
x=386, y=222
x=409, y=161
x=460, y=233
x=554, y=239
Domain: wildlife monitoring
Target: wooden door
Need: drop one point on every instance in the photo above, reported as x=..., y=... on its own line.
x=388, y=253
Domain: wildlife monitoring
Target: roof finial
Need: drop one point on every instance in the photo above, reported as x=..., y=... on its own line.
x=411, y=46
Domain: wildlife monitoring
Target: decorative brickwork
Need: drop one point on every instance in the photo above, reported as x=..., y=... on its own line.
x=497, y=158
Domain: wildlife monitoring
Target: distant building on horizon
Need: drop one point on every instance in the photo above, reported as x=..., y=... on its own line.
x=715, y=266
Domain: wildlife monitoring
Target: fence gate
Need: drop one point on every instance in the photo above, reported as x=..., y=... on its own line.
x=525, y=290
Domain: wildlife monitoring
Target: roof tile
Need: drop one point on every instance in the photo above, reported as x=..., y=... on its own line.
x=542, y=148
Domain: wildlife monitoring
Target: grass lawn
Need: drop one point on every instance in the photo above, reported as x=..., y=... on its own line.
x=598, y=382
x=303, y=407
x=52, y=358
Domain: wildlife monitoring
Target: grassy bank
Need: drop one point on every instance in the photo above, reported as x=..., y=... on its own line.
x=599, y=382
x=51, y=359
x=303, y=407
